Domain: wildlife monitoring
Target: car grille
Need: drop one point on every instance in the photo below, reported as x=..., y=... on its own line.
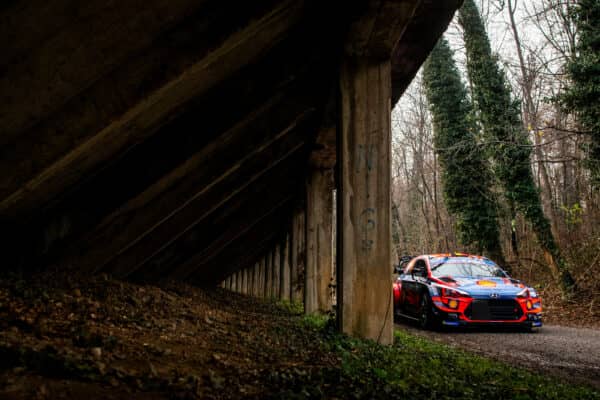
x=494, y=309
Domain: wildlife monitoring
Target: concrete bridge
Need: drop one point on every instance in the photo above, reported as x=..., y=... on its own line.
x=201, y=140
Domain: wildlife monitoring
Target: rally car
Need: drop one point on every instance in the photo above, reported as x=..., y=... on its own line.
x=463, y=290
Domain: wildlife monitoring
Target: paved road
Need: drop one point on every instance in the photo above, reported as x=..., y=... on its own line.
x=570, y=353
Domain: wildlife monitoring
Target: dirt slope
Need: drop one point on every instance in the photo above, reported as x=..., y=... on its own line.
x=108, y=339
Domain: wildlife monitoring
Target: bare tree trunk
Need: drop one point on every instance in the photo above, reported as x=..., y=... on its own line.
x=530, y=118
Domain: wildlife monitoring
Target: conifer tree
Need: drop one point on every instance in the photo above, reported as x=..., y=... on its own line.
x=466, y=176
x=511, y=148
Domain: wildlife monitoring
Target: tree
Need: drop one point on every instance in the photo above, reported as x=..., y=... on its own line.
x=466, y=176
x=528, y=71
x=511, y=150
x=422, y=219
x=584, y=70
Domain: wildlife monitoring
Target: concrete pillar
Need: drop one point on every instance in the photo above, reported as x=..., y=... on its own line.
x=319, y=240
x=276, y=271
x=364, y=228
x=269, y=275
x=254, y=290
x=285, y=288
x=261, y=277
x=256, y=284
x=298, y=255
x=251, y=279
x=242, y=281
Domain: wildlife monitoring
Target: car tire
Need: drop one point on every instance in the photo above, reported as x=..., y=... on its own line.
x=426, y=318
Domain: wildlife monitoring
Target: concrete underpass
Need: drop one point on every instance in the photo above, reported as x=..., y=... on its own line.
x=201, y=141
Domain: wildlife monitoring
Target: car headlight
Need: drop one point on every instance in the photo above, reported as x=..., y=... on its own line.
x=528, y=293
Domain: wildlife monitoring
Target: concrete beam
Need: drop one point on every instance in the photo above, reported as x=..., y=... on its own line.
x=364, y=227
x=144, y=118
x=145, y=221
x=66, y=36
x=238, y=254
x=210, y=246
x=428, y=23
x=319, y=241
x=379, y=27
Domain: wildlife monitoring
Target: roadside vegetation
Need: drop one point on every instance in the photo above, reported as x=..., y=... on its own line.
x=420, y=369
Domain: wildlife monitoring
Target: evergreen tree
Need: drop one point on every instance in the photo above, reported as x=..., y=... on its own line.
x=582, y=97
x=511, y=148
x=466, y=177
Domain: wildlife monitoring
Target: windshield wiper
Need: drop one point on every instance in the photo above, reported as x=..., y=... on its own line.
x=437, y=266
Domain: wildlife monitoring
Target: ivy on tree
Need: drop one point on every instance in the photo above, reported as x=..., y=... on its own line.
x=510, y=146
x=466, y=176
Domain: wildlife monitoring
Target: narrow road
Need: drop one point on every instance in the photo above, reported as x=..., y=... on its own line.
x=569, y=353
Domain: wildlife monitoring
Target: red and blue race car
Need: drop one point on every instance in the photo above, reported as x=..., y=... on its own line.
x=463, y=290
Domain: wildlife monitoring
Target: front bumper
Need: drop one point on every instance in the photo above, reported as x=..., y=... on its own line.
x=451, y=319
x=524, y=314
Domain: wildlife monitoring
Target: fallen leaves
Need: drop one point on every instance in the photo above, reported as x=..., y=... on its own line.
x=173, y=339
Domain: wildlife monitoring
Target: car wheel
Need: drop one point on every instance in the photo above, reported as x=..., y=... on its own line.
x=426, y=317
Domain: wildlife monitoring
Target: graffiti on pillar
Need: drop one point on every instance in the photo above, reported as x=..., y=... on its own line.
x=367, y=218
x=367, y=154
x=365, y=163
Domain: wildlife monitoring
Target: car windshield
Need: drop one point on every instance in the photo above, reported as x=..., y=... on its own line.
x=467, y=268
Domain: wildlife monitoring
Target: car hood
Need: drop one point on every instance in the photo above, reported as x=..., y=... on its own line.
x=504, y=287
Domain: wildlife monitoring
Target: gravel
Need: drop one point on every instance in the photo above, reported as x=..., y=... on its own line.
x=572, y=354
